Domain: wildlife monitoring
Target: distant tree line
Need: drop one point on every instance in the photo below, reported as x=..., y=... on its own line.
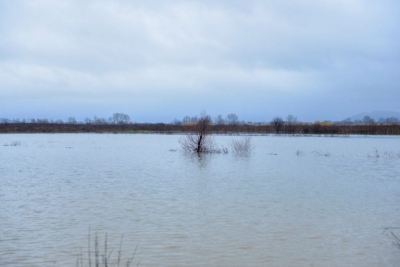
x=116, y=118
x=121, y=123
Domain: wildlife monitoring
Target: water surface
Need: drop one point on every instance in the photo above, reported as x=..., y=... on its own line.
x=294, y=201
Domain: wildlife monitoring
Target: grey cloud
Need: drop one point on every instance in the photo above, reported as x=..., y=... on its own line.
x=232, y=50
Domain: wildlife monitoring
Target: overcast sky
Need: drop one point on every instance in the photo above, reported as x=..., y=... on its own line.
x=161, y=60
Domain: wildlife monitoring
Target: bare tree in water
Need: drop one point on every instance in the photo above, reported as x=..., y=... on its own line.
x=199, y=140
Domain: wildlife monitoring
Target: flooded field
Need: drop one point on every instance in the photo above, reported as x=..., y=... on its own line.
x=294, y=201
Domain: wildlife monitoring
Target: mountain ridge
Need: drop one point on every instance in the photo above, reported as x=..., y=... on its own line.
x=376, y=115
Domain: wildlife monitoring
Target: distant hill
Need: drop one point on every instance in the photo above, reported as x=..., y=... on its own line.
x=376, y=115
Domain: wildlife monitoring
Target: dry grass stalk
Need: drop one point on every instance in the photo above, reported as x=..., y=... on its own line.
x=103, y=259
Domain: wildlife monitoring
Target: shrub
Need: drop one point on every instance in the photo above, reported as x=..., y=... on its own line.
x=242, y=146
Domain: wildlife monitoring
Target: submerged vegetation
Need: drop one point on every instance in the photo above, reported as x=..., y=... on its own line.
x=13, y=143
x=387, y=154
x=390, y=231
x=103, y=257
x=322, y=154
x=242, y=146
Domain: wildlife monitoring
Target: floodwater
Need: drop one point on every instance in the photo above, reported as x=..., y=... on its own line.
x=294, y=201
